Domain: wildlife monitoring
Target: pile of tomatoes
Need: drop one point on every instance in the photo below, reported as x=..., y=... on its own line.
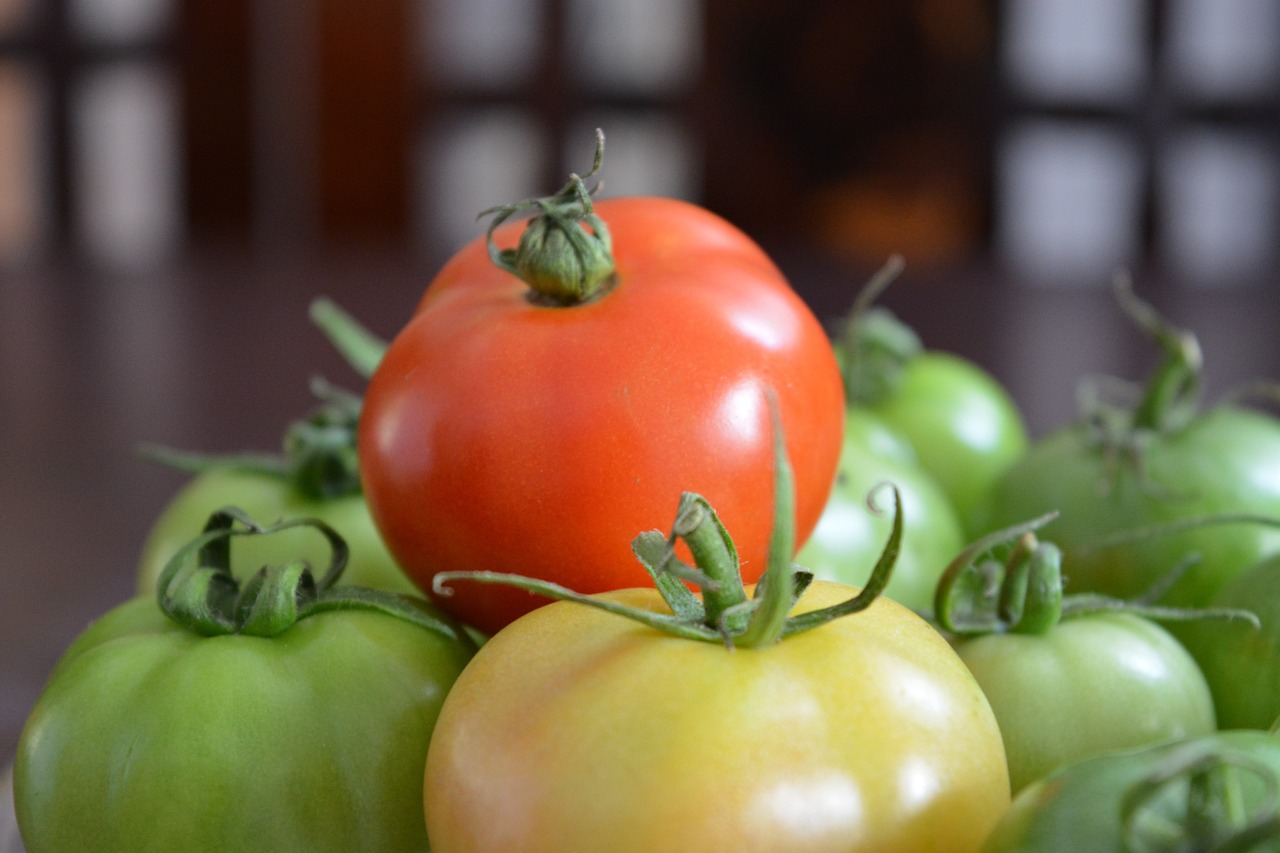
x=621, y=549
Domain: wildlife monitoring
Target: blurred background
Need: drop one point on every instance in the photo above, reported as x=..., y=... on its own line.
x=179, y=178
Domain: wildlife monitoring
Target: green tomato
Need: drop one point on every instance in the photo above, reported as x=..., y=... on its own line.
x=227, y=725
x=1239, y=660
x=270, y=497
x=1090, y=684
x=1187, y=794
x=850, y=534
x=1225, y=460
x=964, y=426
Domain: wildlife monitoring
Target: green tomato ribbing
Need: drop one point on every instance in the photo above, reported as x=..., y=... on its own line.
x=565, y=254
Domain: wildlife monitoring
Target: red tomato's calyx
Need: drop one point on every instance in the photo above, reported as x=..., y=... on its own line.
x=565, y=254
x=724, y=613
x=1021, y=592
x=198, y=591
x=1193, y=801
x=873, y=345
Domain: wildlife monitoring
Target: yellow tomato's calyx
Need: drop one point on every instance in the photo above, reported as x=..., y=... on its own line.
x=565, y=254
x=1010, y=581
x=319, y=453
x=724, y=612
x=872, y=345
x=197, y=590
x=1194, y=800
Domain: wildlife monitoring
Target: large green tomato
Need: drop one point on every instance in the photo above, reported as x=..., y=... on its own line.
x=270, y=497
x=237, y=729
x=845, y=544
x=575, y=729
x=1133, y=469
x=1217, y=792
x=1225, y=460
x=1241, y=661
x=1090, y=684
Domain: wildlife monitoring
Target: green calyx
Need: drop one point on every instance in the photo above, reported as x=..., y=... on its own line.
x=872, y=345
x=319, y=452
x=1010, y=582
x=1194, y=801
x=724, y=613
x=1167, y=402
x=198, y=591
x=565, y=254
x=318, y=457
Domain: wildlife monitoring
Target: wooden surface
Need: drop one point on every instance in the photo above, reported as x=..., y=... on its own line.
x=215, y=354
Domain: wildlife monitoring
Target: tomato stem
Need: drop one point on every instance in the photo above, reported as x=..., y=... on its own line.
x=319, y=457
x=1210, y=814
x=565, y=254
x=1169, y=398
x=724, y=613
x=361, y=348
x=872, y=345
x=197, y=590
x=1023, y=591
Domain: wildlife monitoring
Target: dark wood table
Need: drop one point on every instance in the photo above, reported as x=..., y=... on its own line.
x=215, y=353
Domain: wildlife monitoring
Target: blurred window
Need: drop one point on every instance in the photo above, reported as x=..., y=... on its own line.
x=1139, y=131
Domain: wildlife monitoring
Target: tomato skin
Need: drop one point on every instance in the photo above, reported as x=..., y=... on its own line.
x=849, y=537
x=1092, y=683
x=1239, y=661
x=271, y=498
x=502, y=435
x=1225, y=460
x=1078, y=808
x=574, y=729
x=964, y=426
x=149, y=737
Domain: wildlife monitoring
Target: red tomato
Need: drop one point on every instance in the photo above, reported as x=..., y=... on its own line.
x=503, y=433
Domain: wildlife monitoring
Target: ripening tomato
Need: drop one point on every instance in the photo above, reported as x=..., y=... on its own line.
x=530, y=431
x=575, y=729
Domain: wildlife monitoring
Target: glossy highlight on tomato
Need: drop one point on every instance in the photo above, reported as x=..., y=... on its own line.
x=503, y=433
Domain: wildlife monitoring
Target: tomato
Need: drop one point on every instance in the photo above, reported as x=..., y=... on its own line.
x=1239, y=660
x=964, y=425
x=269, y=496
x=574, y=729
x=1067, y=677
x=1151, y=463
x=799, y=716
x=849, y=535
x=507, y=431
x=281, y=714
x=314, y=477
x=1215, y=792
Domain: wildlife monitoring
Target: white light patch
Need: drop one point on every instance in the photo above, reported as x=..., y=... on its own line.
x=815, y=807
x=917, y=783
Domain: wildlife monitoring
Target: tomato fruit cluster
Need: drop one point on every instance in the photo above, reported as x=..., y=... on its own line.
x=883, y=618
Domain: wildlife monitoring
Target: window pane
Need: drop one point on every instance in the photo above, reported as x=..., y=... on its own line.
x=1224, y=49
x=126, y=164
x=119, y=21
x=622, y=45
x=1069, y=201
x=644, y=154
x=473, y=161
x=24, y=188
x=1091, y=51
x=483, y=43
x=1218, y=206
